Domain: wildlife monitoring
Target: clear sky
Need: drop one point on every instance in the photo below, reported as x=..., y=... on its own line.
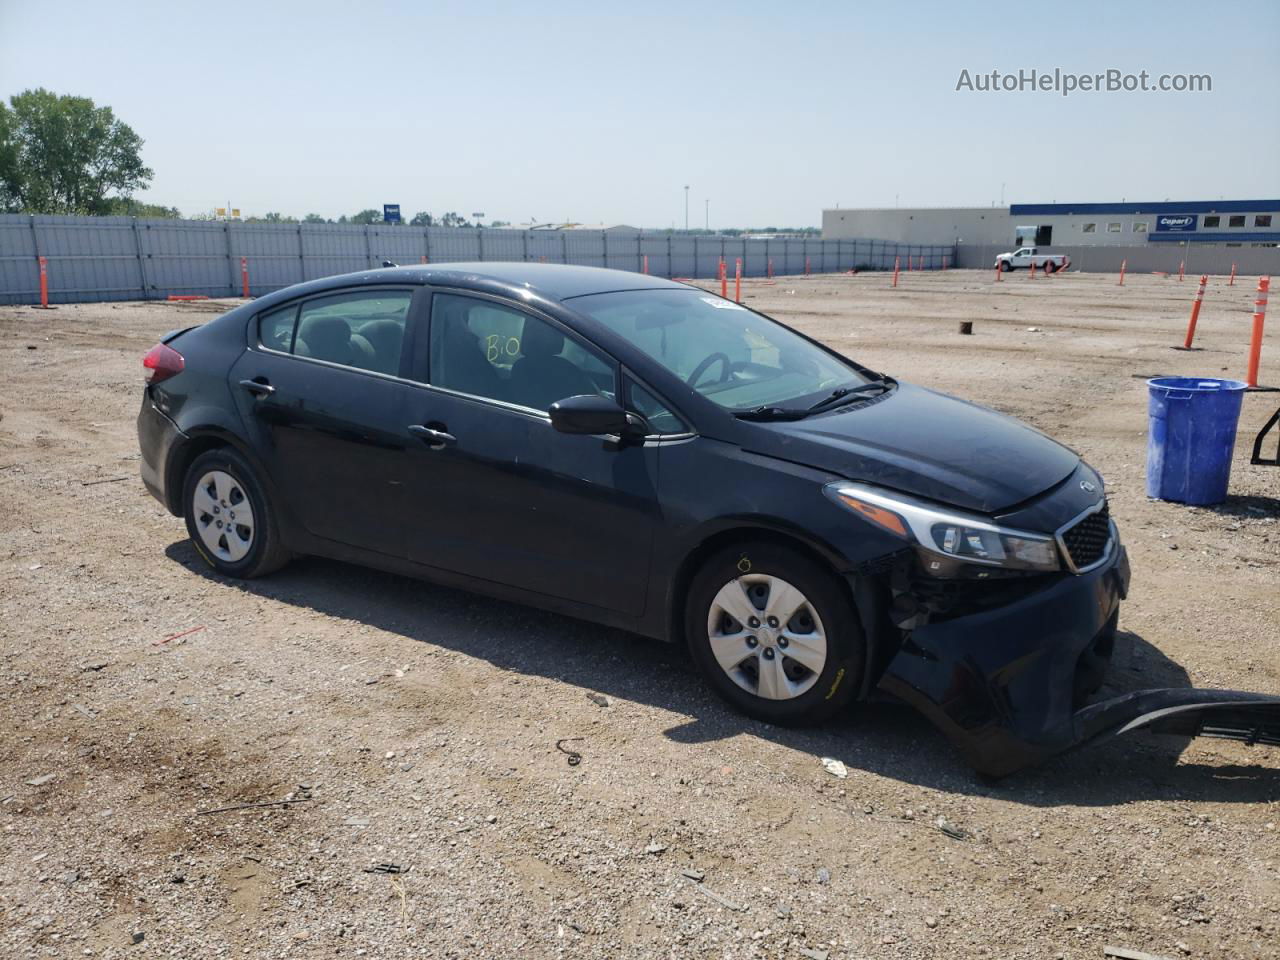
x=602, y=112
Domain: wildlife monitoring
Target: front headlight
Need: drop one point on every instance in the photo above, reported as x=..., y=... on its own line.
x=950, y=534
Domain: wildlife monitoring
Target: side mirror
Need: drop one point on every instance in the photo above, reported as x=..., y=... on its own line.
x=591, y=414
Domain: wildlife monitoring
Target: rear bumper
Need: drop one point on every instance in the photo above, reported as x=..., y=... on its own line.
x=157, y=435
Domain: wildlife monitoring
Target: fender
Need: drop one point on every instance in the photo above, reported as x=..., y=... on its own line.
x=668, y=590
x=227, y=437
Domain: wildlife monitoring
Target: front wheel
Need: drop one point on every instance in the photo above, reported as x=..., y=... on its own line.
x=775, y=634
x=229, y=518
x=1005, y=266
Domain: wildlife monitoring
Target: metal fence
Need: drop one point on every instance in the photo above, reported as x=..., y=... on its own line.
x=123, y=258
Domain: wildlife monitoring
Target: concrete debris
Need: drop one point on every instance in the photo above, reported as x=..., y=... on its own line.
x=718, y=898
x=1124, y=953
x=835, y=767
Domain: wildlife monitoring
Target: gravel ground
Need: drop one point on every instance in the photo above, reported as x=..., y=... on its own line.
x=417, y=726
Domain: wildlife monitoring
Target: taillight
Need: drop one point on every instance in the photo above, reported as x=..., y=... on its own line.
x=164, y=362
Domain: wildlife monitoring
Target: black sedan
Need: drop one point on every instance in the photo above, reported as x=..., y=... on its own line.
x=642, y=453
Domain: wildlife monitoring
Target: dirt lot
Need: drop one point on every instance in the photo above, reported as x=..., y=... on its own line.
x=417, y=725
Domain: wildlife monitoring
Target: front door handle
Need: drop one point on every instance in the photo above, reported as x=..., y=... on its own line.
x=436, y=438
x=259, y=388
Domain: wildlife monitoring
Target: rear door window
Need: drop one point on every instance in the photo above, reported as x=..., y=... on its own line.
x=364, y=329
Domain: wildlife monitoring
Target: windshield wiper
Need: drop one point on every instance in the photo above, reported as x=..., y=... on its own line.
x=770, y=413
x=767, y=412
x=837, y=395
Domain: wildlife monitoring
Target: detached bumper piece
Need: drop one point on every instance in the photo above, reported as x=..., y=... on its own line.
x=1225, y=714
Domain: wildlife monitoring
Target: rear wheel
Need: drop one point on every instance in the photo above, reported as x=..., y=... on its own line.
x=1050, y=266
x=775, y=633
x=229, y=518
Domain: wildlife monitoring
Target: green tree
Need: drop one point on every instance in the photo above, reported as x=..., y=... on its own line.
x=452, y=219
x=367, y=216
x=63, y=154
x=121, y=207
x=422, y=219
x=9, y=185
x=314, y=218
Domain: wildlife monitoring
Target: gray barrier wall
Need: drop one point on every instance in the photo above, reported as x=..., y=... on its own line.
x=122, y=258
x=1165, y=257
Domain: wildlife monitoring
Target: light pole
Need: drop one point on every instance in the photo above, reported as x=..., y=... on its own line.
x=707, y=224
x=686, y=208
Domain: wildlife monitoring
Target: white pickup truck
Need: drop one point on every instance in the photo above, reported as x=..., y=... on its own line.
x=1025, y=256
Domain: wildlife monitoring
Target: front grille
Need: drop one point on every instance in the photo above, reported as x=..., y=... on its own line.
x=1086, y=543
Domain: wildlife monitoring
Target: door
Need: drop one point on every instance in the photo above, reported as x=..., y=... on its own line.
x=320, y=393
x=495, y=491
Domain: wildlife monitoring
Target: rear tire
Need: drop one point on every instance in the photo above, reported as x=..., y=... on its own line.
x=800, y=670
x=1050, y=267
x=230, y=520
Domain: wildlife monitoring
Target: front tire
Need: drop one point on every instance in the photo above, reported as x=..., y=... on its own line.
x=775, y=634
x=1006, y=266
x=229, y=518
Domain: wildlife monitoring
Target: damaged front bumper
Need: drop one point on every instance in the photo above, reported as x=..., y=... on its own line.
x=1005, y=684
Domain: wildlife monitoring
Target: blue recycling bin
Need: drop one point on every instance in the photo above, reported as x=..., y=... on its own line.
x=1192, y=432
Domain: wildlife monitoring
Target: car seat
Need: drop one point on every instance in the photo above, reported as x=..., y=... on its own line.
x=462, y=365
x=330, y=338
x=386, y=337
x=541, y=376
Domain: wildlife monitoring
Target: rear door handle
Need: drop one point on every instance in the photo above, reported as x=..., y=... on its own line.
x=259, y=388
x=436, y=438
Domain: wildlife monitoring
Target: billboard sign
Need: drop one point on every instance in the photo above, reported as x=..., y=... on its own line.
x=1176, y=222
x=391, y=212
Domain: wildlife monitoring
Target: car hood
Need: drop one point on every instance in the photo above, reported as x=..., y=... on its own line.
x=928, y=444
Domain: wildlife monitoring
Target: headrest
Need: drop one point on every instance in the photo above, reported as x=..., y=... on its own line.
x=326, y=336
x=539, y=341
x=385, y=333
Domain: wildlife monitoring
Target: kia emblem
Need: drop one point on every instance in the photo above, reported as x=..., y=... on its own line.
x=1087, y=486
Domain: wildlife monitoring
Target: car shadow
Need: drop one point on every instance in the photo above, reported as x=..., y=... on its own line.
x=1246, y=507
x=886, y=739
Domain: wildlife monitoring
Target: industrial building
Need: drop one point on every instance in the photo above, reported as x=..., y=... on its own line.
x=1210, y=236
x=1230, y=222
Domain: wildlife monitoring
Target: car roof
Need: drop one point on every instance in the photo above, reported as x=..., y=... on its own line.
x=554, y=281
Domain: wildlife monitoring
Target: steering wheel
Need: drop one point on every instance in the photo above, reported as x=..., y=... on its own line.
x=705, y=365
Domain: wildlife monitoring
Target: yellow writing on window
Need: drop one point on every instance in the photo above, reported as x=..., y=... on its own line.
x=496, y=345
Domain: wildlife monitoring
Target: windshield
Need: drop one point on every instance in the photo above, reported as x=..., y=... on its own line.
x=733, y=357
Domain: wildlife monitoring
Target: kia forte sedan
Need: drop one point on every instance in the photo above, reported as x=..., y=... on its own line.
x=645, y=454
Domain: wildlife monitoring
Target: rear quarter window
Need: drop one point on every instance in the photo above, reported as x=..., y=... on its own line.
x=275, y=329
